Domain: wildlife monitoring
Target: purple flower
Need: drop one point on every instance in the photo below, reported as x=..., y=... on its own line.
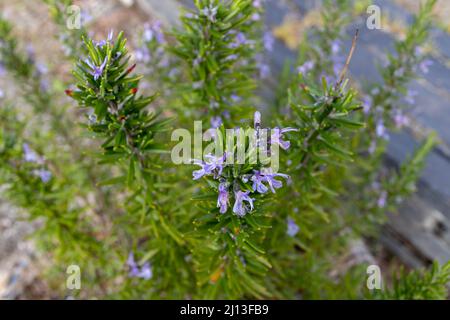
x=277, y=137
x=268, y=177
x=273, y=183
x=410, y=96
x=399, y=72
x=258, y=185
x=268, y=41
x=44, y=175
x=256, y=3
x=142, y=54
x=96, y=71
x=255, y=16
x=212, y=165
x=153, y=31
x=335, y=47
x=400, y=119
x=101, y=43
x=240, y=40
x=239, y=208
x=367, y=104
x=292, y=227
x=2, y=94
x=216, y=122
x=146, y=272
x=381, y=130
x=381, y=202
x=424, y=65
x=135, y=272
x=231, y=57
x=306, y=67
x=29, y=155
x=222, y=200
x=210, y=12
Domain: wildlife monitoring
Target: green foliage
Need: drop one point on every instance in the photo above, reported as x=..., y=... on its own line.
x=420, y=284
x=218, y=68
x=117, y=206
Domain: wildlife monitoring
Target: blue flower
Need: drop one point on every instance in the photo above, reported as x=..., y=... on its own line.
x=306, y=67
x=97, y=72
x=424, y=65
x=44, y=175
x=223, y=199
x=292, y=227
x=381, y=202
x=216, y=122
x=410, y=96
x=367, y=104
x=145, y=272
x=277, y=137
x=29, y=155
x=239, y=208
x=212, y=165
x=268, y=177
x=381, y=130
x=210, y=12
x=273, y=183
x=258, y=185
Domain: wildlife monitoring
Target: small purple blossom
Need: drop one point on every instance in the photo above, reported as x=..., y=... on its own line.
x=255, y=16
x=240, y=208
x=101, y=43
x=410, y=96
x=380, y=130
x=29, y=155
x=256, y=3
x=142, y=54
x=400, y=119
x=274, y=183
x=240, y=40
x=258, y=185
x=153, y=31
x=424, y=65
x=381, y=202
x=335, y=47
x=212, y=165
x=145, y=272
x=292, y=227
x=267, y=176
x=223, y=200
x=210, y=12
x=306, y=67
x=97, y=72
x=268, y=41
x=277, y=137
x=367, y=104
x=44, y=175
x=216, y=122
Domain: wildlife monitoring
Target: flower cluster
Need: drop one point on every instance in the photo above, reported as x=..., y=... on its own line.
x=250, y=181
